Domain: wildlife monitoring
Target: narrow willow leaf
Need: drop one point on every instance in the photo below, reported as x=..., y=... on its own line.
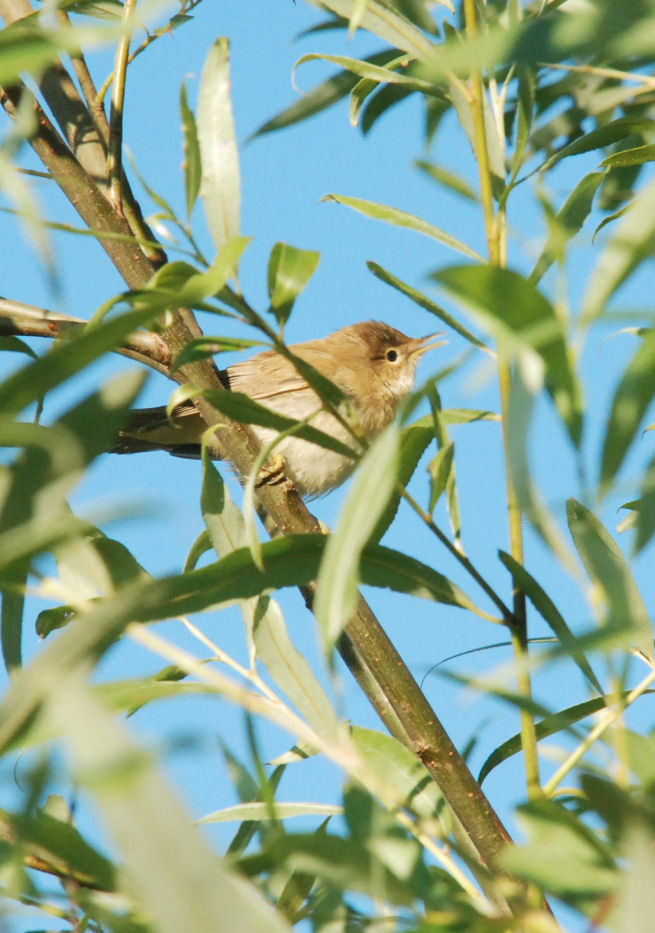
x=205, y=284
x=221, y=180
x=290, y=670
x=392, y=215
x=439, y=469
x=645, y=525
x=513, y=309
x=448, y=179
x=322, y=96
x=11, y=619
x=424, y=302
x=601, y=137
x=610, y=575
x=629, y=246
x=203, y=347
x=567, y=222
x=388, y=25
x=223, y=520
x=148, y=823
x=378, y=75
x=336, y=593
x=548, y=610
x=289, y=271
x=290, y=561
x=551, y=725
x=262, y=811
x=10, y=344
x=635, y=156
x=192, y=164
x=57, y=841
x=525, y=109
x=632, y=397
x=414, y=440
x=240, y=407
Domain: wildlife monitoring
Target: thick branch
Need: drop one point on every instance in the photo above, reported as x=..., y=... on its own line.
x=21, y=320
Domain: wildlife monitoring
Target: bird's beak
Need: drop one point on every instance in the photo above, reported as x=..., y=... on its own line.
x=421, y=342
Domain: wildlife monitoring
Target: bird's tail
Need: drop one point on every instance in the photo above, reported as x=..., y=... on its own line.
x=153, y=429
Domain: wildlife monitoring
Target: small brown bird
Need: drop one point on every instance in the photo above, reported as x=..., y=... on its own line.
x=372, y=363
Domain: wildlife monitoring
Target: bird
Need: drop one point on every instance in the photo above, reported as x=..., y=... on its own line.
x=372, y=363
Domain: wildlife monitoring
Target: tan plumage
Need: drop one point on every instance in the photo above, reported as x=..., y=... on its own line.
x=372, y=363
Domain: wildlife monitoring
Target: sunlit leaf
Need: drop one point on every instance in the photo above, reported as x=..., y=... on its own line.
x=289, y=271
x=290, y=670
x=629, y=246
x=424, y=302
x=611, y=576
x=392, y=215
x=513, y=309
x=632, y=397
x=221, y=181
x=336, y=593
x=192, y=164
x=261, y=811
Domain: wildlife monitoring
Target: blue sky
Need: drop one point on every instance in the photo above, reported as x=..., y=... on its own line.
x=284, y=176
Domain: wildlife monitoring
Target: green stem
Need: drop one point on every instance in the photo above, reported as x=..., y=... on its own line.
x=495, y=234
x=115, y=156
x=462, y=558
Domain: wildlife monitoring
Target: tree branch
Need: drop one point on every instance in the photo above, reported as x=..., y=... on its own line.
x=21, y=320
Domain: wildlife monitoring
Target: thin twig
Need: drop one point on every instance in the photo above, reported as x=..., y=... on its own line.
x=115, y=155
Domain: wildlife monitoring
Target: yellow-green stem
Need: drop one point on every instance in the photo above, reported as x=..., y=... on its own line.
x=495, y=234
x=115, y=157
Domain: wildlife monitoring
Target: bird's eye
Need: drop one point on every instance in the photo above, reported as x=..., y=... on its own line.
x=391, y=355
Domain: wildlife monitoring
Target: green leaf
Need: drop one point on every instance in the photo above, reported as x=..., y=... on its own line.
x=404, y=775
x=448, y=179
x=548, y=611
x=636, y=156
x=336, y=589
x=567, y=222
x=414, y=440
x=290, y=670
x=221, y=181
x=376, y=74
x=563, y=856
x=289, y=271
x=202, y=285
x=424, y=302
x=630, y=245
x=610, y=575
x=240, y=407
x=289, y=561
x=148, y=822
x=60, y=843
x=513, y=309
x=11, y=344
x=321, y=97
x=601, y=137
x=550, y=725
x=632, y=397
x=398, y=218
x=200, y=348
x=11, y=618
x=383, y=22
x=192, y=164
x=645, y=525
x=439, y=469
x=258, y=810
